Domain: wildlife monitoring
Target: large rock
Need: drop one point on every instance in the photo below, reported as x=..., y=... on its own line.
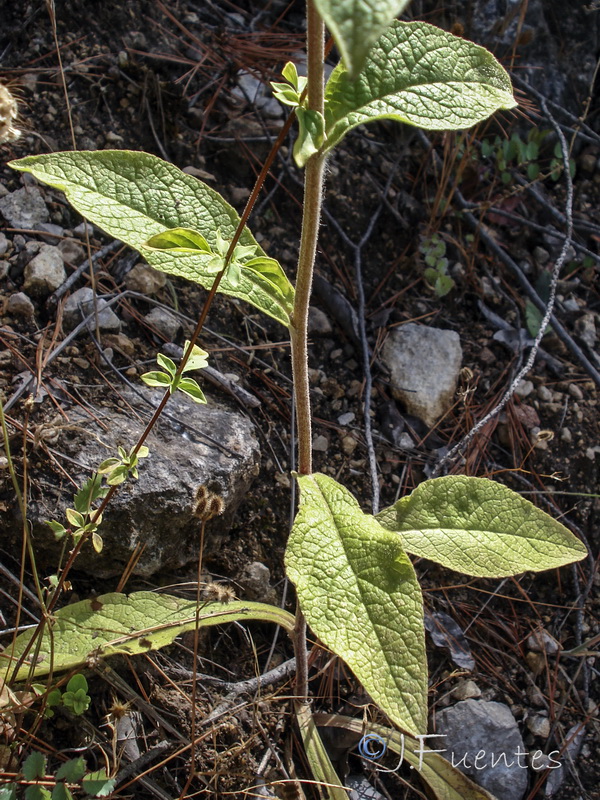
x=483, y=740
x=424, y=364
x=200, y=446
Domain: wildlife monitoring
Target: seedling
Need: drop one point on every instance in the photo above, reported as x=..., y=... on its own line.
x=433, y=250
x=355, y=584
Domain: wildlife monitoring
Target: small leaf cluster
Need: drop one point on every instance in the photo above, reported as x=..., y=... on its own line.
x=72, y=775
x=169, y=379
x=119, y=469
x=519, y=152
x=80, y=517
x=433, y=250
x=75, y=697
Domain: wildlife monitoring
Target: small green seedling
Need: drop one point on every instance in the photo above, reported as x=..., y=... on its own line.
x=76, y=696
x=173, y=382
x=119, y=469
x=433, y=250
x=83, y=518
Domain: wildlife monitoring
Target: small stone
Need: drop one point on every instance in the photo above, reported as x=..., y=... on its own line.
x=347, y=418
x=20, y=305
x=120, y=343
x=54, y=231
x=466, y=689
x=256, y=580
x=486, y=356
x=81, y=229
x=405, y=441
x=72, y=251
x=4, y=267
x=545, y=395
x=320, y=444
x=535, y=696
x=239, y=194
x=318, y=322
x=24, y=208
x=587, y=162
x=539, y=725
x=566, y=436
x=45, y=272
x=349, y=444
x=541, y=255
x=585, y=326
x=81, y=304
x=524, y=389
x=145, y=279
x=82, y=363
x=575, y=391
x=336, y=354
x=3, y=244
x=113, y=137
x=541, y=641
x=165, y=323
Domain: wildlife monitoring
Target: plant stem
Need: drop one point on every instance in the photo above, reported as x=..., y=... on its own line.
x=313, y=193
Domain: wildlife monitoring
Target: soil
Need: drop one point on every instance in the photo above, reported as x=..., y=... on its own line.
x=146, y=76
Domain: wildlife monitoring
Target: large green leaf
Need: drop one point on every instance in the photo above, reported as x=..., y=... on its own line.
x=359, y=593
x=480, y=527
x=134, y=196
x=119, y=623
x=356, y=25
x=421, y=75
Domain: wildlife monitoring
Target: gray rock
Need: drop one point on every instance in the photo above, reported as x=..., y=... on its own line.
x=318, y=322
x=541, y=641
x=20, y=305
x=144, y=279
x=72, y=251
x=3, y=244
x=158, y=511
x=165, y=323
x=81, y=303
x=256, y=580
x=320, y=444
x=424, y=364
x=483, y=740
x=45, y=272
x=24, y=208
x=257, y=93
x=585, y=327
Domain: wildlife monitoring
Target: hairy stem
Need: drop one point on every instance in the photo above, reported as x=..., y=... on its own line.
x=313, y=192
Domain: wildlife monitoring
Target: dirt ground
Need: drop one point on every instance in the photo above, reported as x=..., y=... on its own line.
x=146, y=76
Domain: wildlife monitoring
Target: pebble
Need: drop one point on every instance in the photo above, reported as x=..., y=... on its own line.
x=20, y=305
x=347, y=418
x=541, y=641
x=566, y=435
x=466, y=689
x=165, y=323
x=256, y=580
x=82, y=302
x=349, y=444
x=145, y=279
x=45, y=272
x=320, y=444
x=318, y=322
x=81, y=229
x=585, y=327
x=4, y=265
x=72, y=251
x=3, y=244
x=524, y=389
x=545, y=394
x=541, y=255
x=120, y=342
x=539, y=725
x=575, y=391
x=336, y=354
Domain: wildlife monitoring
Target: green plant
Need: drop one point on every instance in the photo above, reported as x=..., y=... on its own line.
x=517, y=152
x=355, y=584
x=71, y=776
x=433, y=250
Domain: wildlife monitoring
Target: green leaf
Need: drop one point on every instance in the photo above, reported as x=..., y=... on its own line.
x=108, y=465
x=290, y=73
x=360, y=595
x=270, y=270
x=61, y=792
x=34, y=766
x=311, y=127
x=8, y=792
x=480, y=527
x=356, y=25
x=98, y=784
x=166, y=363
x=420, y=75
x=118, y=623
x=181, y=240
x=285, y=94
x=90, y=491
x=118, y=475
x=57, y=529
x=75, y=518
x=77, y=682
x=72, y=770
x=198, y=358
x=190, y=387
x=156, y=379
x=97, y=542
x=134, y=196
x=321, y=768
x=37, y=793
